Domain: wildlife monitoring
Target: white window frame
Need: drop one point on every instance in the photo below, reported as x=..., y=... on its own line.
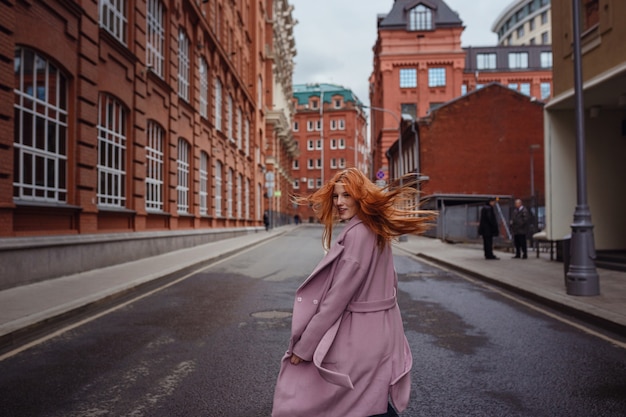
x=155, y=36
x=295, y=164
x=342, y=124
x=111, y=152
x=333, y=125
x=41, y=134
x=310, y=164
x=154, y=167
x=333, y=163
x=247, y=198
x=183, y=65
x=239, y=129
x=218, y=104
x=182, y=176
x=113, y=18
x=229, y=193
x=296, y=184
x=296, y=126
x=247, y=136
x=311, y=183
x=546, y=90
x=486, y=60
x=217, y=198
x=333, y=144
x=310, y=145
x=318, y=144
x=318, y=183
x=310, y=126
x=230, y=121
x=342, y=163
x=204, y=88
x=518, y=60
x=204, y=183
x=524, y=88
x=318, y=163
x=342, y=144
x=420, y=18
x=437, y=77
x=318, y=125
x=239, y=191
x=546, y=59
x=408, y=77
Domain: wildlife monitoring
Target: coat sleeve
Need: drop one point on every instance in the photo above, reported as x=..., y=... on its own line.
x=347, y=280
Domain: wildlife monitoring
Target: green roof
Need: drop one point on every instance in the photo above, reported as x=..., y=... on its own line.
x=305, y=91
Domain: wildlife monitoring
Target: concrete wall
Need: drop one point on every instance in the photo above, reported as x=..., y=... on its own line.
x=33, y=259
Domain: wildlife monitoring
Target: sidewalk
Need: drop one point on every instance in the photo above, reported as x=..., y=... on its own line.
x=539, y=279
x=30, y=311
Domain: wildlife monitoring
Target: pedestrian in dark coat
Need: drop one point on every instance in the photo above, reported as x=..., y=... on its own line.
x=520, y=222
x=348, y=355
x=488, y=228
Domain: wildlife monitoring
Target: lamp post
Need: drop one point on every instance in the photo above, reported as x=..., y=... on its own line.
x=582, y=277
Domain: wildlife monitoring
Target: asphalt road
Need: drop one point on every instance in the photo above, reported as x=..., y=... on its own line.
x=210, y=345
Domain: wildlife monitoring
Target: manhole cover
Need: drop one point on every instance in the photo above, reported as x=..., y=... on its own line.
x=271, y=314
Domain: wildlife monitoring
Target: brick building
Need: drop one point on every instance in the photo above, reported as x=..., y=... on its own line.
x=330, y=131
x=126, y=121
x=419, y=64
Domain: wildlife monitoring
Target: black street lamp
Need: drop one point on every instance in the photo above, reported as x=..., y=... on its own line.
x=582, y=277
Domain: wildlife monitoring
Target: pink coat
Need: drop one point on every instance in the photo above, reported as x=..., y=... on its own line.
x=347, y=326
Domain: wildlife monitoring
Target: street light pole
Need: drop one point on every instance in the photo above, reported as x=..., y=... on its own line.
x=582, y=277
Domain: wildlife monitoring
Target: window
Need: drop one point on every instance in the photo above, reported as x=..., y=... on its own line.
x=342, y=144
x=333, y=125
x=342, y=162
x=486, y=61
x=218, y=189
x=204, y=183
x=545, y=91
x=318, y=183
x=436, y=77
x=314, y=104
x=310, y=145
x=531, y=24
x=183, y=65
x=247, y=198
x=333, y=163
x=520, y=32
x=204, y=88
x=239, y=195
x=155, y=37
x=524, y=88
x=420, y=18
x=408, y=77
x=590, y=14
x=296, y=126
x=409, y=108
x=239, y=129
x=311, y=183
x=544, y=38
x=229, y=193
x=154, y=167
x=296, y=184
x=333, y=144
x=229, y=115
x=518, y=60
x=310, y=164
x=218, y=104
x=513, y=86
x=295, y=164
x=463, y=89
x=309, y=126
x=318, y=144
x=337, y=103
x=247, y=136
x=318, y=163
x=40, y=141
x=318, y=125
x=546, y=59
x=182, y=173
x=544, y=18
x=342, y=124
x=111, y=152
x=113, y=18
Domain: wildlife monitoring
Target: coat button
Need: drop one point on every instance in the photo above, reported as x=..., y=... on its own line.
x=315, y=301
x=299, y=299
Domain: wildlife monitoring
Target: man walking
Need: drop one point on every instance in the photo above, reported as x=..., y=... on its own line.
x=519, y=228
x=488, y=228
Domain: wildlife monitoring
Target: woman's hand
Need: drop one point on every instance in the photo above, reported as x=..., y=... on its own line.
x=295, y=359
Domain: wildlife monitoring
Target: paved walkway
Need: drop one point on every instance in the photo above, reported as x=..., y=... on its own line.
x=538, y=278
x=26, y=311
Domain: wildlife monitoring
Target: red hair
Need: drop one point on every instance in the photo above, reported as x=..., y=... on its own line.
x=389, y=212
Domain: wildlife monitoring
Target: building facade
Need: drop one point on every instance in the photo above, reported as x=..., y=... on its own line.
x=524, y=22
x=330, y=131
x=419, y=65
x=604, y=98
x=134, y=118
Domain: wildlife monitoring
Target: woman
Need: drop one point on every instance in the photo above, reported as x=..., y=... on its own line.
x=348, y=354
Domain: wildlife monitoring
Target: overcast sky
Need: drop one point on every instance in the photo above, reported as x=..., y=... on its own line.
x=334, y=38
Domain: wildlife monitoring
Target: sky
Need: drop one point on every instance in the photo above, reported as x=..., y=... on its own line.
x=334, y=38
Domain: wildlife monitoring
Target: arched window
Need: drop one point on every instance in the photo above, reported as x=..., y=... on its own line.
x=420, y=18
x=154, y=167
x=40, y=142
x=182, y=169
x=218, y=189
x=204, y=183
x=111, y=152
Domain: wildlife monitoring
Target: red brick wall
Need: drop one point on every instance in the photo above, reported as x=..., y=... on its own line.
x=480, y=144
